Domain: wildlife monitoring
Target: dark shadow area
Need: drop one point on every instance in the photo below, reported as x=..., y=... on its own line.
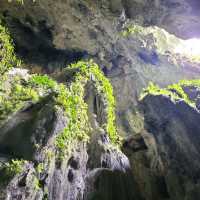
x=34, y=44
x=135, y=143
x=115, y=185
x=26, y=129
x=149, y=57
x=95, y=104
x=176, y=129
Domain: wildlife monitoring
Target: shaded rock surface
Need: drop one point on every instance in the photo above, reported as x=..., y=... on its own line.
x=80, y=174
x=160, y=158
x=170, y=162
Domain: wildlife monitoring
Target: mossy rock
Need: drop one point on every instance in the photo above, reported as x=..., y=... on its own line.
x=176, y=92
x=8, y=58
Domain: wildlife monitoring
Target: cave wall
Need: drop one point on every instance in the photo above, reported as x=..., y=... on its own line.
x=51, y=34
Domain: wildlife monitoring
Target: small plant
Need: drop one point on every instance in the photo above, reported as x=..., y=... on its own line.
x=7, y=53
x=19, y=92
x=19, y=1
x=132, y=30
x=36, y=183
x=43, y=81
x=40, y=168
x=15, y=167
x=176, y=92
x=15, y=98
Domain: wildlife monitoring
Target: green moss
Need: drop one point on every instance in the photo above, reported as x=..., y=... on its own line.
x=132, y=30
x=90, y=70
x=16, y=92
x=72, y=101
x=70, y=98
x=43, y=81
x=19, y=1
x=176, y=92
x=15, y=167
x=15, y=97
x=9, y=170
x=37, y=184
x=40, y=168
x=7, y=53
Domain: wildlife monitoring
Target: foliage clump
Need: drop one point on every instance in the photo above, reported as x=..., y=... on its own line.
x=15, y=167
x=72, y=100
x=69, y=97
x=9, y=170
x=132, y=30
x=43, y=81
x=19, y=1
x=8, y=58
x=153, y=37
x=16, y=93
x=91, y=71
x=176, y=92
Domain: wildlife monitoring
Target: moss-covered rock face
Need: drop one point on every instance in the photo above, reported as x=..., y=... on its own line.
x=21, y=92
x=59, y=137
x=185, y=90
x=7, y=55
x=49, y=123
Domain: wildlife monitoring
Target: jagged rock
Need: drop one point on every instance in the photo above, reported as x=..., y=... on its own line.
x=175, y=130
x=160, y=158
x=34, y=129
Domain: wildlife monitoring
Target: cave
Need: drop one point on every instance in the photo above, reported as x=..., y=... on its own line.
x=140, y=139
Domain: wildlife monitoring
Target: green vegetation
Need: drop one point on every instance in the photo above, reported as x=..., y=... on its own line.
x=72, y=101
x=176, y=92
x=161, y=40
x=43, y=81
x=19, y=1
x=9, y=170
x=18, y=92
x=40, y=168
x=15, y=96
x=91, y=71
x=36, y=183
x=7, y=54
x=14, y=167
x=132, y=30
x=70, y=98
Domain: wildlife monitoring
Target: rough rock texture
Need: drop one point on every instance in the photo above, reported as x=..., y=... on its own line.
x=176, y=16
x=51, y=34
x=72, y=178
x=162, y=144
x=80, y=173
x=175, y=129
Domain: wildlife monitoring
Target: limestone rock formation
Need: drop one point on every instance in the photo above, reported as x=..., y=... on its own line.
x=58, y=139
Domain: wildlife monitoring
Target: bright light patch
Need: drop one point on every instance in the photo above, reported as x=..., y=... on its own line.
x=189, y=48
x=166, y=43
